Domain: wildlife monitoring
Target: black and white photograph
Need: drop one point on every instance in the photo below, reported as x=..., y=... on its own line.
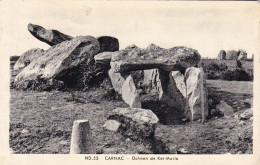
x=130, y=78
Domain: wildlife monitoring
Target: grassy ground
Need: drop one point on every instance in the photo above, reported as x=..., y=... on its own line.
x=41, y=122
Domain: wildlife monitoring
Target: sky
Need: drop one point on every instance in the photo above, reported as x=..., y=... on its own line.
x=207, y=27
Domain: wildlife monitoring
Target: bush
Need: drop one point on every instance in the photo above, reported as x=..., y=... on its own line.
x=236, y=75
x=214, y=71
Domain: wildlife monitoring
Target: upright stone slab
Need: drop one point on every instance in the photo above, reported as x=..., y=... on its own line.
x=196, y=95
x=232, y=55
x=173, y=91
x=222, y=55
x=242, y=54
x=117, y=80
x=51, y=37
x=81, y=138
x=27, y=57
x=151, y=80
x=130, y=94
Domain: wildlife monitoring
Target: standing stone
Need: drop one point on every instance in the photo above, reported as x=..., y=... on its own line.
x=81, y=138
x=51, y=37
x=226, y=109
x=117, y=80
x=232, y=55
x=130, y=94
x=108, y=44
x=222, y=55
x=58, y=61
x=173, y=89
x=196, y=95
x=242, y=54
x=136, y=123
x=151, y=80
x=27, y=57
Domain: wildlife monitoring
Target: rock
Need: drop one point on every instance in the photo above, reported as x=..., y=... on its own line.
x=51, y=37
x=226, y=109
x=173, y=89
x=213, y=112
x=241, y=123
x=152, y=80
x=222, y=55
x=57, y=62
x=173, y=59
x=153, y=47
x=172, y=148
x=196, y=94
x=232, y=55
x=112, y=125
x=236, y=116
x=136, y=123
x=27, y=57
x=251, y=118
x=14, y=58
x=242, y=54
x=246, y=115
x=182, y=151
x=247, y=103
x=64, y=142
x=103, y=58
x=130, y=94
x=185, y=119
x=108, y=44
x=25, y=131
x=117, y=80
x=210, y=101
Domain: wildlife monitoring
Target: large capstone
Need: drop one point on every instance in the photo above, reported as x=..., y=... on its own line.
x=51, y=37
x=58, y=61
x=136, y=123
x=134, y=58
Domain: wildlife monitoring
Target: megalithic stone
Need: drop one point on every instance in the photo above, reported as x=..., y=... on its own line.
x=81, y=138
x=51, y=37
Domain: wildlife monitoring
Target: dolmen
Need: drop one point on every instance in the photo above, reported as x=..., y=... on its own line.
x=172, y=72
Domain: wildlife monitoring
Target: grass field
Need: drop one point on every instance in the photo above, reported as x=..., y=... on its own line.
x=41, y=122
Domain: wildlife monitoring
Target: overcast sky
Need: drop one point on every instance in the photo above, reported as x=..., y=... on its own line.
x=207, y=28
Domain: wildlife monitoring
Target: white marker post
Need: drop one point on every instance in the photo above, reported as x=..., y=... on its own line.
x=81, y=138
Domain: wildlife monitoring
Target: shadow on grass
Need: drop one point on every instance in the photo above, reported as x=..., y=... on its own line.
x=216, y=95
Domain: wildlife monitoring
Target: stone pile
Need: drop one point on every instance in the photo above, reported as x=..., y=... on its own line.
x=57, y=65
x=172, y=73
